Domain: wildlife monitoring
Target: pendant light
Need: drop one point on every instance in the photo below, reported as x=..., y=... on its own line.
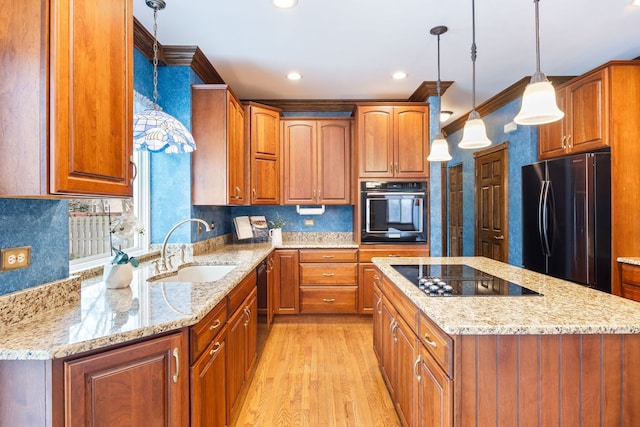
x=154, y=130
x=439, y=147
x=474, y=134
x=539, y=104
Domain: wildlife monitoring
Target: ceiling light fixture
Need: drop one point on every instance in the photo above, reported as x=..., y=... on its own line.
x=439, y=148
x=445, y=115
x=539, y=104
x=294, y=75
x=635, y=2
x=285, y=4
x=154, y=130
x=399, y=75
x=474, y=134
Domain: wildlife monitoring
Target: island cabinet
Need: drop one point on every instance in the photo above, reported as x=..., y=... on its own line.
x=286, y=289
x=262, y=130
x=208, y=369
x=139, y=384
x=316, y=161
x=220, y=165
x=392, y=140
x=242, y=338
x=631, y=281
x=66, y=98
x=328, y=280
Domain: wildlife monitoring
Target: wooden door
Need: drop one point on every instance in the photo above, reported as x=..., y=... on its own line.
x=456, y=211
x=411, y=142
x=91, y=140
x=388, y=359
x=251, y=306
x=378, y=328
x=208, y=380
x=588, y=124
x=299, y=162
x=375, y=141
x=286, y=299
x=238, y=154
x=406, y=344
x=334, y=162
x=491, y=169
x=551, y=137
x=142, y=384
x=264, y=137
x=435, y=393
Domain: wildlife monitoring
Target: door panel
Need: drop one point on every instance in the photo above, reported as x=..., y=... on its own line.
x=455, y=210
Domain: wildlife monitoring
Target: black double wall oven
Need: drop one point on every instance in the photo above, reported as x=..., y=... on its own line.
x=393, y=212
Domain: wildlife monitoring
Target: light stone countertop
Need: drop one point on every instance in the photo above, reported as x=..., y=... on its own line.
x=564, y=308
x=68, y=317
x=629, y=260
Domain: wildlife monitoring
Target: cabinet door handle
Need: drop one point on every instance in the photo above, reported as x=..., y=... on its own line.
x=176, y=356
x=248, y=314
x=329, y=299
x=215, y=325
x=237, y=192
x=135, y=169
x=319, y=192
x=215, y=348
x=396, y=167
x=393, y=256
x=394, y=325
x=415, y=369
x=569, y=143
x=328, y=274
x=254, y=193
x=563, y=143
x=328, y=256
x=428, y=341
x=378, y=306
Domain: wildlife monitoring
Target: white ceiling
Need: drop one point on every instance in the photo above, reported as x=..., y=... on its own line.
x=348, y=49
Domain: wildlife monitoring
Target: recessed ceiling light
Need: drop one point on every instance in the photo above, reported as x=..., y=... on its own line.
x=444, y=115
x=294, y=75
x=635, y=3
x=399, y=75
x=285, y=4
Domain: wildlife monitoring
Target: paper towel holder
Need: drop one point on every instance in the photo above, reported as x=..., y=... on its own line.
x=315, y=210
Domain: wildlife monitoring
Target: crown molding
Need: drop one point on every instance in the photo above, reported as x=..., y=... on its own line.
x=501, y=99
x=321, y=105
x=427, y=89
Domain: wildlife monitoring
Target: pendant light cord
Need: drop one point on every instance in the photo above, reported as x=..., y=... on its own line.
x=537, y=38
x=155, y=58
x=438, y=88
x=474, y=51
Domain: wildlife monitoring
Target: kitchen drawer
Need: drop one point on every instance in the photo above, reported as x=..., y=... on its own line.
x=403, y=305
x=206, y=330
x=328, y=274
x=328, y=255
x=367, y=254
x=438, y=343
x=631, y=274
x=328, y=299
x=241, y=291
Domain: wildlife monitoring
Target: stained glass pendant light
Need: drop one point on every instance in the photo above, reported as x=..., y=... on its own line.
x=439, y=148
x=539, y=104
x=474, y=134
x=154, y=130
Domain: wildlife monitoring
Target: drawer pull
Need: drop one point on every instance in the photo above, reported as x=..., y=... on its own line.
x=215, y=325
x=215, y=348
x=328, y=274
x=328, y=299
x=376, y=277
x=393, y=255
x=428, y=341
x=176, y=355
x=328, y=256
x=378, y=306
x=415, y=369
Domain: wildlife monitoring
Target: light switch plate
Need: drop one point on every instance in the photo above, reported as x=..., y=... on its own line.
x=309, y=222
x=15, y=258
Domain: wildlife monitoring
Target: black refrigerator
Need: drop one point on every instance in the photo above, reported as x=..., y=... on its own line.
x=566, y=219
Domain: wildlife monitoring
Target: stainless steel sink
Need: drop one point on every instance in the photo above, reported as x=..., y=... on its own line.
x=198, y=273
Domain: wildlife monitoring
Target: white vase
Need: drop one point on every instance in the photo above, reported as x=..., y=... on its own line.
x=276, y=236
x=117, y=276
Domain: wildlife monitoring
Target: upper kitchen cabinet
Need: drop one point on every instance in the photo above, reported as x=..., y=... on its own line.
x=263, y=131
x=220, y=165
x=66, y=98
x=586, y=102
x=317, y=161
x=392, y=140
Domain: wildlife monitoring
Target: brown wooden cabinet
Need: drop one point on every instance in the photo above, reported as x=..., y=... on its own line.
x=434, y=394
x=328, y=280
x=630, y=284
x=392, y=140
x=66, y=99
x=286, y=289
x=316, y=161
x=140, y=384
x=585, y=127
x=378, y=328
x=263, y=132
x=220, y=165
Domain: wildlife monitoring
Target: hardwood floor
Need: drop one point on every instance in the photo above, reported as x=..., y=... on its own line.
x=318, y=371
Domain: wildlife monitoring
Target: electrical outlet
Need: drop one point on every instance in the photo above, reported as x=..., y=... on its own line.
x=309, y=222
x=15, y=258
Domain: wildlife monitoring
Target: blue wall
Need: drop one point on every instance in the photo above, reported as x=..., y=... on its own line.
x=435, y=186
x=335, y=218
x=523, y=149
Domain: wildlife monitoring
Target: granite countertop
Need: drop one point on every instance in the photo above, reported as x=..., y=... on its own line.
x=564, y=308
x=69, y=317
x=629, y=260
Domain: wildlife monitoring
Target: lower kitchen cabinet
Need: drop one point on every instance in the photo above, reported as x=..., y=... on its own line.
x=140, y=384
x=286, y=299
x=630, y=283
x=377, y=321
x=434, y=394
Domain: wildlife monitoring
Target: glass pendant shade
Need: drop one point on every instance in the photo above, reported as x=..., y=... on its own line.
x=157, y=131
x=439, y=150
x=539, y=104
x=474, y=134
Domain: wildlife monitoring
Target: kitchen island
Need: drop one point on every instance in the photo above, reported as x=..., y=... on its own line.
x=570, y=356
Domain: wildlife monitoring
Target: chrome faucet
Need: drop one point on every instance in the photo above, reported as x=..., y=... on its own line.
x=163, y=259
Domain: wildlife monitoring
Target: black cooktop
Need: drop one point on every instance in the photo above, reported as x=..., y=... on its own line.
x=459, y=280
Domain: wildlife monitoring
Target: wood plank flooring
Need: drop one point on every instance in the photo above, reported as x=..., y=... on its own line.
x=318, y=371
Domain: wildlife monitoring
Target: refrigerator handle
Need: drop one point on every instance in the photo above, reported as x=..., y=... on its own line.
x=540, y=216
x=545, y=219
